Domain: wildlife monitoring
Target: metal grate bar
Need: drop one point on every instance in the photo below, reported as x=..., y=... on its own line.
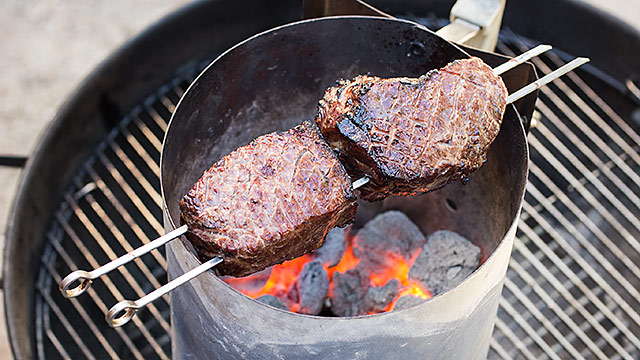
x=601, y=210
x=566, y=111
x=584, y=107
x=168, y=104
x=509, y=334
x=577, y=281
x=584, y=148
x=52, y=336
x=111, y=286
x=583, y=218
x=602, y=105
x=60, y=316
x=597, y=119
x=526, y=302
x=587, y=245
x=572, y=159
x=104, y=245
x=132, y=195
x=551, y=304
x=508, y=308
x=157, y=143
x=553, y=281
x=159, y=120
x=141, y=179
x=93, y=295
x=151, y=164
x=85, y=316
x=524, y=351
x=129, y=145
x=97, y=208
x=498, y=349
x=126, y=215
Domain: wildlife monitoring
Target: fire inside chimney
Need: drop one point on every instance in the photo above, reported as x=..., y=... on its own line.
x=386, y=265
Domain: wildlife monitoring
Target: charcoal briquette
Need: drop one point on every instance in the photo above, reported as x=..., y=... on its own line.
x=446, y=260
x=378, y=298
x=333, y=247
x=349, y=289
x=312, y=285
x=391, y=231
x=272, y=301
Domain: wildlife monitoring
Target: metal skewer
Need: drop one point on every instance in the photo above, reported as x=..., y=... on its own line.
x=530, y=54
x=128, y=308
x=547, y=79
x=85, y=278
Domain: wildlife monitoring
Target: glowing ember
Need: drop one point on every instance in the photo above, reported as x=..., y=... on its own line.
x=396, y=267
x=282, y=278
x=279, y=282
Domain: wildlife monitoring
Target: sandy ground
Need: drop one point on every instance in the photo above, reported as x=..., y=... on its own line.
x=48, y=47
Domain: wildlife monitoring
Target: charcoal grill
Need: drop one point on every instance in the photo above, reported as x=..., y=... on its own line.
x=572, y=287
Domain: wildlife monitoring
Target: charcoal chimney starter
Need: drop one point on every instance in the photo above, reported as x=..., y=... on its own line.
x=272, y=82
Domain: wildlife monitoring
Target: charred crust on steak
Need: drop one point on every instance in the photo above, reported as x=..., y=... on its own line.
x=272, y=200
x=414, y=135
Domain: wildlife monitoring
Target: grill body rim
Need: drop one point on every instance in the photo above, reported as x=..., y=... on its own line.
x=30, y=214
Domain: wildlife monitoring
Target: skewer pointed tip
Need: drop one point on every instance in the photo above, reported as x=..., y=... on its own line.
x=525, y=56
x=542, y=48
x=358, y=183
x=573, y=64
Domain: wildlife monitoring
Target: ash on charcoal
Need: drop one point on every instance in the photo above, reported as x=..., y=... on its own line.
x=349, y=290
x=378, y=298
x=391, y=231
x=312, y=285
x=446, y=259
x=272, y=301
x=333, y=247
x=407, y=301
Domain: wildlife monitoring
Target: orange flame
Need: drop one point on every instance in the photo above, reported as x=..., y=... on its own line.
x=283, y=276
x=280, y=280
x=395, y=267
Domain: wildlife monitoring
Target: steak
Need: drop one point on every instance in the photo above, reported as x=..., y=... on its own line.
x=414, y=135
x=272, y=200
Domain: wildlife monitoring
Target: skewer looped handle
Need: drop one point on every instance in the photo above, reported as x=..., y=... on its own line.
x=83, y=279
x=124, y=311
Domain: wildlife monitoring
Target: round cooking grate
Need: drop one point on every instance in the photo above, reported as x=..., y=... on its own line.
x=571, y=289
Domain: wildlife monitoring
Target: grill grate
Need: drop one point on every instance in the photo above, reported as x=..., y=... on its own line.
x=571, y=290
x=112, y=207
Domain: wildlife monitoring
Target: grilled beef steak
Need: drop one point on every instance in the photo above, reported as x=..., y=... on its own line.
x=414, y=135
x=270, y=201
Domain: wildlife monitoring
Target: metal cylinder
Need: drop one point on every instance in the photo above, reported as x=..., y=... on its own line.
x=271, y=82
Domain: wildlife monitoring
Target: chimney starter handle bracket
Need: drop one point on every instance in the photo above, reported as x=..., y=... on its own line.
x=474, y=23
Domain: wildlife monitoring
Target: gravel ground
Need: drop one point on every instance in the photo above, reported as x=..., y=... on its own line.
x=48, y=47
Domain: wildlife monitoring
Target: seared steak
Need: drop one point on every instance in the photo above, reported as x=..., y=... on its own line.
x=270, y=201
x=414, y=135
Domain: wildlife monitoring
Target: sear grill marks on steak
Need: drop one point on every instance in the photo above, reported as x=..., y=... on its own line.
x=414, y=135
x=272, y=200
